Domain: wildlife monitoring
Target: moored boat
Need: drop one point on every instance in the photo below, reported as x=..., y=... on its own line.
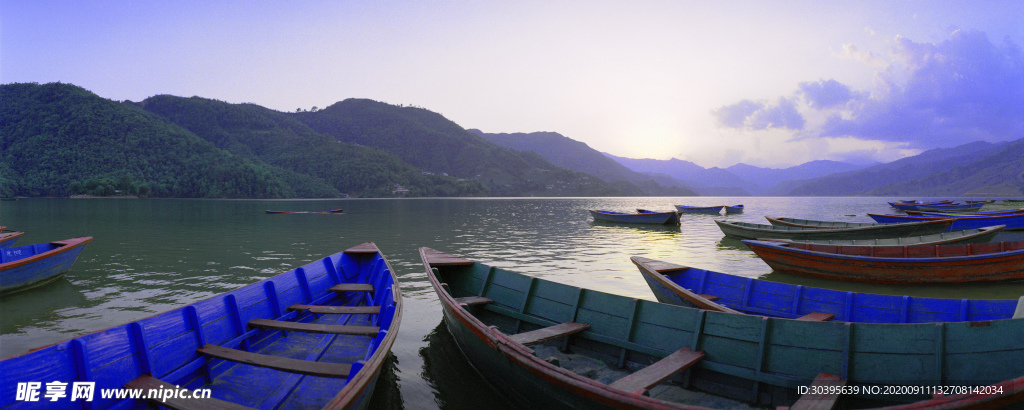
x=950, y=208
x=746, y=230
x=654, y=218
x=735, y=209
x=816, y=224
x=713, y=210
x=315, y=336
x=913, y=205
x=1012, y=221
x=980, y=235
x=909, y=264
x=693, y=287
x=525, y=335
x=7, y=239
x=24, y=267
x=976, y=213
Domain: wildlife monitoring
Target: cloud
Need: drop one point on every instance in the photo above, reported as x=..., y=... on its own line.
x=929, y=95
x=825, y=94
x=734, y=116
x=963, y=89
x=760, y=115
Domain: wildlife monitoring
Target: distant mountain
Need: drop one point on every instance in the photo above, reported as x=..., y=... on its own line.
x=578, y=156
x=431, y=142
x=707, y=182
x=998, y=174
x=769, y=178
x=867, y=181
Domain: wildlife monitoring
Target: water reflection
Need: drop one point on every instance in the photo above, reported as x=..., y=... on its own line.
x=456, y=384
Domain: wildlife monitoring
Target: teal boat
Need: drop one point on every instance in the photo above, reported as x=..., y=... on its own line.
x=524, y=334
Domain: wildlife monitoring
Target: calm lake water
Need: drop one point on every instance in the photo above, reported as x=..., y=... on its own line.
x=153, y=255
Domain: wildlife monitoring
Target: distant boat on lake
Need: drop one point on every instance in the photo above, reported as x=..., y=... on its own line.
x=332, y=211
x=647, y=217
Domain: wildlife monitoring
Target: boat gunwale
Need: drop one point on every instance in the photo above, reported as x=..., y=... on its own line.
x=937, y=259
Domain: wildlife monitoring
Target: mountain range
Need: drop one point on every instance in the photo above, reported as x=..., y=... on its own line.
x=60, y=139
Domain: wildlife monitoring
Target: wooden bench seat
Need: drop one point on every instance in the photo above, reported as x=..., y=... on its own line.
x=337, y=310
x=473, y=300
x=352, y=287
x=709, y=297
x=817, y=317
x=548, y=333
x=336, y=370
x=820, y=401
x=438, y=258
x=650, y=376
x=314, y=327
x=147, y=382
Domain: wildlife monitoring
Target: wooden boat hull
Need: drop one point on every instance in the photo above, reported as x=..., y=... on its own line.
x=980, y=235
x=903, y=206
x=753, y=358
x=652, y=218
x=24, y=267
x=228, y=345
x=958, y=213
x=1012, y=221
x=743, y=230
x=815, y=224
x=889, y=265
x=685, y=286
x=712, y=210
x=7, y=239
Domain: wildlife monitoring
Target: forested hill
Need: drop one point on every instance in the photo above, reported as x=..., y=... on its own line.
x=431, y=142
x=57, y=138
x=277, y=139
x=60, y=140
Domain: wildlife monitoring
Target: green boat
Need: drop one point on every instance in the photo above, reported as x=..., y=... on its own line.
x=746, y=230
x=524, y=335
x=979, y=235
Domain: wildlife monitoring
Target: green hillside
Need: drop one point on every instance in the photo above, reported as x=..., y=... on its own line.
x=278, y=139
x=999, y=174
x=54, y=137
x=435, y=144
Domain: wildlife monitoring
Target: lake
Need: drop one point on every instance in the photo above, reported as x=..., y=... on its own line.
x=153, y=255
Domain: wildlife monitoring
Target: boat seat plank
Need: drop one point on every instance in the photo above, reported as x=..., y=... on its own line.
x=307, y=367
x=817, y=317
x=352, y=287
x=473, y=300
x=548, y=333
x=148, y=382
x=659, y=371
x=368, y=247
x=708, y=297
x=820, y=401
x=1019, y=313
x=436, y=258
x=314, y=327
x=337, y=310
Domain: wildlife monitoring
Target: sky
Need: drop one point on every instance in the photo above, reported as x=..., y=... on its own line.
x=767, y=83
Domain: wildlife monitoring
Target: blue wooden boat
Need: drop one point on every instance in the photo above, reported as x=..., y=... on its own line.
x=316, y=336
x=735, y=209
x=24, y=267
x=745, y=230
x=950, y=208
x=1012, y=221
x=713, y=210
x=7, y=239
x=686, y=286
x=655, y=218
x=525, y=336
x=903, y=206
x=975, y=213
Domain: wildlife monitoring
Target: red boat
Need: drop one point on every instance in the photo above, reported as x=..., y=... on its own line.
x=980, y=262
